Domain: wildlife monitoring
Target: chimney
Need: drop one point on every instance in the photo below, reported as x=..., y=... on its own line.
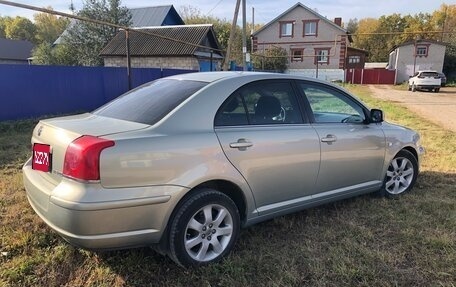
x=338, y=21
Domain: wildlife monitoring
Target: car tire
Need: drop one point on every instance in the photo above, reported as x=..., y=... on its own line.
x=409, y=87
x=204, y=228
x=437, y=90
x=401, y=175
x=413, y=87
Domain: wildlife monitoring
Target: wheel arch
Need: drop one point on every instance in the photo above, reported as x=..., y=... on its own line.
x=230, y=189
x=412, y=150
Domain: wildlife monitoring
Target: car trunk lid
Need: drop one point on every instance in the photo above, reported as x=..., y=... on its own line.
x=58, y=133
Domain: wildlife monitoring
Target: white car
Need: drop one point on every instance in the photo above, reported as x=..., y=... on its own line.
x=425, y=80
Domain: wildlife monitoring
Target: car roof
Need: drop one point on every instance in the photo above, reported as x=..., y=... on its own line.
x=427, y=71
x=210, y=77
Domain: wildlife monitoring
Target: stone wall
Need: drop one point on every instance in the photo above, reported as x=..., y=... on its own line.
x=189, y=63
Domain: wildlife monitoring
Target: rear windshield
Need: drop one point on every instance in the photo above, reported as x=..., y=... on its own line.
x=429, y=74
x=150, y=102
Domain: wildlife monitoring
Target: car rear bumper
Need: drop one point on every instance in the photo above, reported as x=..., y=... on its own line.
x=427, y=86
x=92, y=217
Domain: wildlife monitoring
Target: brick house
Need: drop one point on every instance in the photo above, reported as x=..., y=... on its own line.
x=413, y=56
x=149, y=51
x=311, y=40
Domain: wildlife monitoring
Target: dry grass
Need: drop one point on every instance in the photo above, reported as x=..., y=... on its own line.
x=365, y=241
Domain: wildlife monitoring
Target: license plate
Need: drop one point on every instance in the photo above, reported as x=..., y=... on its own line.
x=41, y=158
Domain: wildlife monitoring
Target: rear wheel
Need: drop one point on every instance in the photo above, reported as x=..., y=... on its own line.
x=401, y=174
x=205, y=228
x=437, y=90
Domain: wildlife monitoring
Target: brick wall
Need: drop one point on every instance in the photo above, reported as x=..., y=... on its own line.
x=188, y=63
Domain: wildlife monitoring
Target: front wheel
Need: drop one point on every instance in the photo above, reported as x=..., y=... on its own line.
x=204, y=229
x=401, y=174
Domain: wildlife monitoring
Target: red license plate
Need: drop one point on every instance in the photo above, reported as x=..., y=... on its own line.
x=41, y=158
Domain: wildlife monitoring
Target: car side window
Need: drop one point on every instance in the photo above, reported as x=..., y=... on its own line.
x=260, y=103
x=331, y=106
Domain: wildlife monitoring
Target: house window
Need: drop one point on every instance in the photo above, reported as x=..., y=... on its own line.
x=286, y=29
x=421, y=50
x=297, y=55
x=354, y=59
x=322, y=56
x=310, y=27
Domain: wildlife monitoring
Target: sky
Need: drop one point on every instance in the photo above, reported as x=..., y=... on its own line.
x=265, y=10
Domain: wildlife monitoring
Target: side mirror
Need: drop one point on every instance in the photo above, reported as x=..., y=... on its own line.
x=376, y=116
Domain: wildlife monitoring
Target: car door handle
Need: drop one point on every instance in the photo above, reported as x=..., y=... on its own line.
x=329, y=139
x=241, y=144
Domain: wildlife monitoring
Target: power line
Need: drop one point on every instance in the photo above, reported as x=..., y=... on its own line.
x=401, y=33
x=218, y=3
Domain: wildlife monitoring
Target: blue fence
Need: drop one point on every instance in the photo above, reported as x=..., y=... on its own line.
x=30, y=90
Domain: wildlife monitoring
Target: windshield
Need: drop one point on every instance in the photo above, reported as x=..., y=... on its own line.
x=150, y=102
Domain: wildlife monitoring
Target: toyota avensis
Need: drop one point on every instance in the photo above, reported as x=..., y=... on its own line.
x=182, y=163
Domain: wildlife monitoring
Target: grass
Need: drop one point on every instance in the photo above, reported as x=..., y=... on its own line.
x=364, y=241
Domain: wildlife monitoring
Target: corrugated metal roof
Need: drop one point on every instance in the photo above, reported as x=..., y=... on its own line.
x=143, y=17
x=147, y=45
x=152, y=16
x=15, y=49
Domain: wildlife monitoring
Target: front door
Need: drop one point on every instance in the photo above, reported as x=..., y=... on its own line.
x=352, y=150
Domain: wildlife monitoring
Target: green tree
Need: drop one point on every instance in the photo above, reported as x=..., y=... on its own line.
x=364, y=37
x=4, y=21
x=445, y=21
x=49, y=27
x=47, y=54
x=20, y=28
x=352, y=26
x=272, y=59
x=85, y=39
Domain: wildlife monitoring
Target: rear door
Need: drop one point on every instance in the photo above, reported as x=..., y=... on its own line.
x=352, y=151
x=262, y=132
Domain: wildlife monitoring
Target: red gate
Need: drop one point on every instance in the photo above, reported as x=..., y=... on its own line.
x=370, y=76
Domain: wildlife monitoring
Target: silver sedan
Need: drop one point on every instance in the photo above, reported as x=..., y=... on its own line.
x=182, y=163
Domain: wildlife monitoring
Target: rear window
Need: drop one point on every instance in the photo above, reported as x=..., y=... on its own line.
x=429, y=74
x=150, y=102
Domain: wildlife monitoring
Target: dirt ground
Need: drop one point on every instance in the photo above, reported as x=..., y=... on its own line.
x=439, y=108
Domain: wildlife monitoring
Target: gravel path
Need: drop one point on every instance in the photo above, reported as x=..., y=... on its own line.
x=439, y=108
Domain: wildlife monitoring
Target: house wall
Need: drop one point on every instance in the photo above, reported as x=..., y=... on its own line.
x=404, y=58
x=327, y=36
x=14, y=62
x=186, y=63
x=359, y=65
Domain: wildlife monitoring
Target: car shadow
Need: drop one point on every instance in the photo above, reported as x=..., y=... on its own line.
x=144, y=265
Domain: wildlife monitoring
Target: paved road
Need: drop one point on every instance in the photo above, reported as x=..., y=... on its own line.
x=439, y=108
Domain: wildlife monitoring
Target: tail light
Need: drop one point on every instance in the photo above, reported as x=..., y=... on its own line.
x=82, y=157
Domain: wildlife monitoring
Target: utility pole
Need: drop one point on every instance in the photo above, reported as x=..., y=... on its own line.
x=244, y=40
x=252, y=29
x=230, y=41
x=127, y=49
